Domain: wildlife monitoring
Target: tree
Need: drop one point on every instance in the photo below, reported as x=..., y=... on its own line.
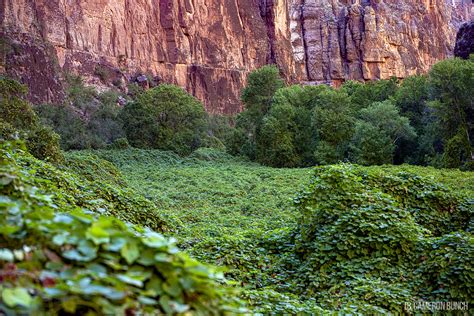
x=364, y=94
x=451, y=85
x=80, y=96
x=260, y=89
x=165, y=117
x=103, y=123
x=371, y=146
x=411, y=99
x=333, y=119
x=257, y=98
x=379, y=130
x=275, y=145
x=67, y=122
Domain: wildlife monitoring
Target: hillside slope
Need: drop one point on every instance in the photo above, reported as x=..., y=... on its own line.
x=348, y=238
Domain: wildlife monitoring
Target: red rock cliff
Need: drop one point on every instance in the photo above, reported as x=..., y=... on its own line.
x=209, y=46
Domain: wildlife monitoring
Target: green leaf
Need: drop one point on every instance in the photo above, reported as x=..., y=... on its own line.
x=6, y=255
x=147, y=300
x=16, y=296
x=130, y=251
x=130, y=280
x=155, y=240
x=97, y=234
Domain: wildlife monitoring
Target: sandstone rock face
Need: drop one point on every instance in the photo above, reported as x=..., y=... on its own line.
x=209, y=46
x=465, y=41
x=378, y=39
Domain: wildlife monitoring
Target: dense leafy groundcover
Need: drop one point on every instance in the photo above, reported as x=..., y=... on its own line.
x=359, y=240
x=356, y=239
x=372, y=240
x=60, y=258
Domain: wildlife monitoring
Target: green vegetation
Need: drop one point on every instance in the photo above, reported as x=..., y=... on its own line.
x=165, y=117
x=86, y=120
x=238, y=214
x=60, y=258
x=17, y=119
x=113, y=229
x=422, y=120
x=451, y=83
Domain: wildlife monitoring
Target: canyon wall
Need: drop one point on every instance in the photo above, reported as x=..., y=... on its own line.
x=209, y=46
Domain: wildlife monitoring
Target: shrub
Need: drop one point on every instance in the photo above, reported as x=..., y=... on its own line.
x=120, y=143
x=19, y=120
x=67, y=122
x=165, y=117
x=43, y=142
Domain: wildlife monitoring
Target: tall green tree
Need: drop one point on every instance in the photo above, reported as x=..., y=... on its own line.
x=165, y=117
x=378, y=131
x=257, y=98
x=411, y=99
x=333, y=120
x=364, y=94
x=276, y=141
x=452, y=89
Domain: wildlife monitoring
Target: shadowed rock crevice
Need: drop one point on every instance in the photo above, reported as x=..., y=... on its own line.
x=465, y=41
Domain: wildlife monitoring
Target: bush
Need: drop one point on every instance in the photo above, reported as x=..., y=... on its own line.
x=43, y=142
x=120, y=143
x=165, y=117
x=56, y=262
x=67, y=122
x=19, y=120
x=99, y=128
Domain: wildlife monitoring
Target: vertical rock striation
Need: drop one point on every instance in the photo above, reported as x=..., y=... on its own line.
x=377, y=39
x=209, y=46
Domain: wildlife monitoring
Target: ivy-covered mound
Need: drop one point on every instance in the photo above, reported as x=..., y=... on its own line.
x=58, y=257
x=369, y=241
x=86, y=181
